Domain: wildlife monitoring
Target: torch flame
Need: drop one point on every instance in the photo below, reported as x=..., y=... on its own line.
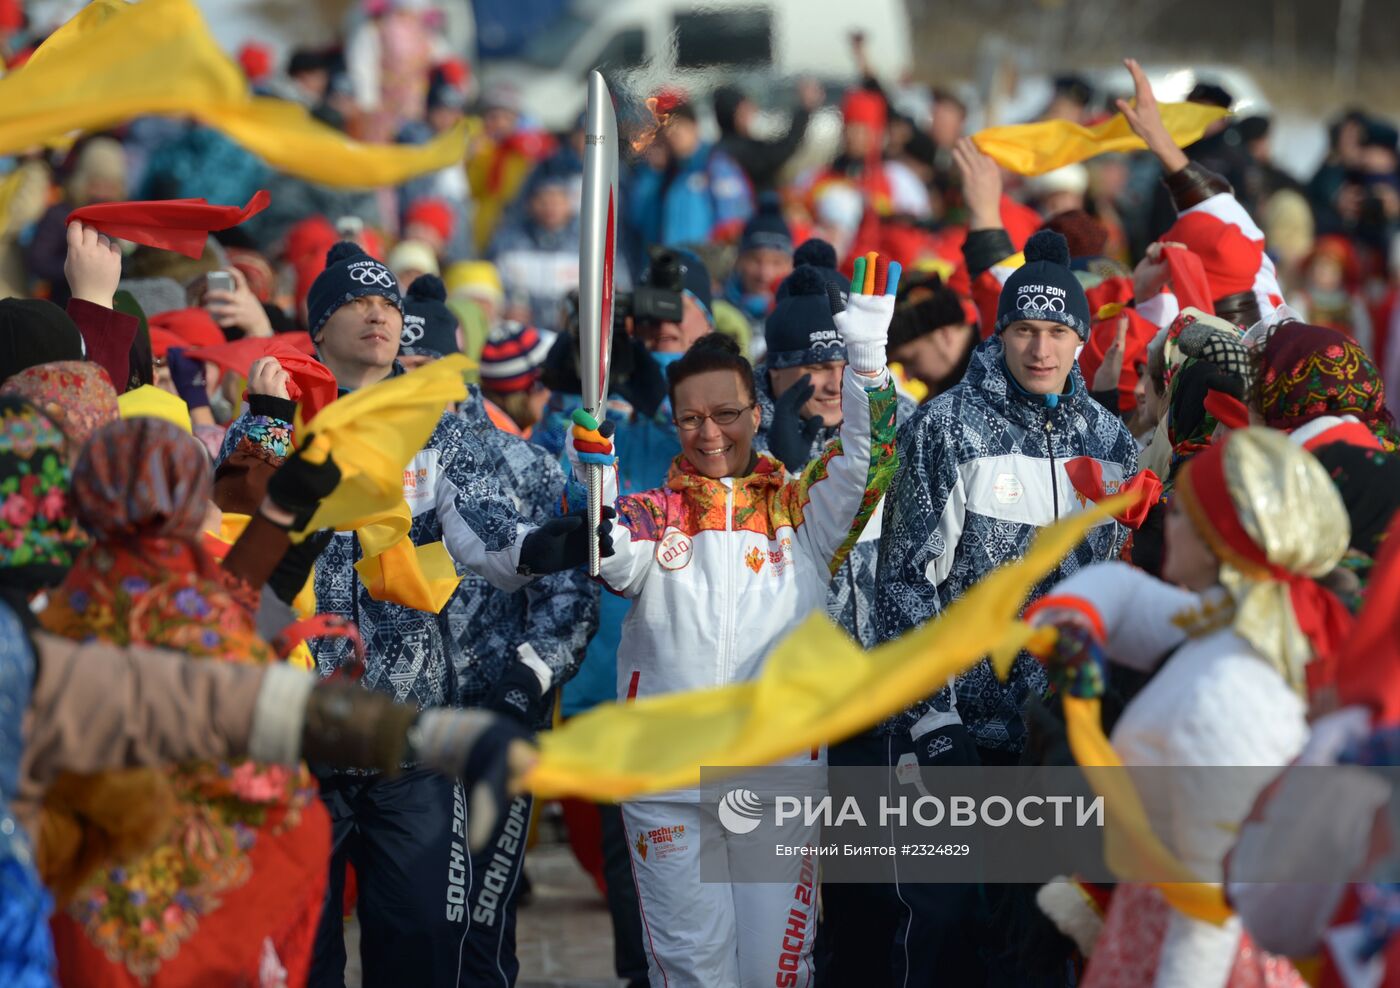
x=648, y=134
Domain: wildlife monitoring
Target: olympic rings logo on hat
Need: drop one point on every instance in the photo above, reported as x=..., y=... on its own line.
x=1041, y=303
x=412, y=330
x=373, y=274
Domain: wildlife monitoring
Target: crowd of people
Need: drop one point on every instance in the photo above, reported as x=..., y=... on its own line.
x=855, y=387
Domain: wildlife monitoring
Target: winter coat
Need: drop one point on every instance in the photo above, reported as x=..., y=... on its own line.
x=704, y=198
x=720, y=570
x=982, y=466
x=538, y=265
x=555, y=616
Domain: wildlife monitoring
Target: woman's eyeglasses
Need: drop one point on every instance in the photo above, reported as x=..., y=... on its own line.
x=725, y=416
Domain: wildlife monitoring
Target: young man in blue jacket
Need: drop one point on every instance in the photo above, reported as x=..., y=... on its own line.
x=982, y=467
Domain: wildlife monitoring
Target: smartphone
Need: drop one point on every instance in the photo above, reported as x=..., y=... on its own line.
x=219, y=281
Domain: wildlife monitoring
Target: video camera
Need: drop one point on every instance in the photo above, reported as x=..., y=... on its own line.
x=657, y=298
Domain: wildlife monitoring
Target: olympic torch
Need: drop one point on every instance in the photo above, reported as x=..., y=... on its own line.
x=597, y=246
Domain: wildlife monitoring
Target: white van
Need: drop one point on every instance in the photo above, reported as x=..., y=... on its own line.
x=642, y=45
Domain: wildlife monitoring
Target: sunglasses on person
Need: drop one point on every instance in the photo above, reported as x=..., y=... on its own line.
x=723, y=417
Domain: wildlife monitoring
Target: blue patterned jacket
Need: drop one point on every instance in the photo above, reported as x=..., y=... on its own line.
x=453, y=491
x=981, y=467
x=850, y=600
x=555, y=615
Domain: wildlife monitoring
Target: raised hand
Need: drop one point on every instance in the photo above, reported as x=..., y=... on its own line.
x=239, y=308
x=267, y=377
x=93, y=266
x=1145, y=118
x=1111, y=369
x=981, y=185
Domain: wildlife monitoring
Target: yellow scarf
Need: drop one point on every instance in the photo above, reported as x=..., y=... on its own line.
x=816, y=687
x=1131, y=846
x=1036, y=148
x=374, y=433
x=114, y=61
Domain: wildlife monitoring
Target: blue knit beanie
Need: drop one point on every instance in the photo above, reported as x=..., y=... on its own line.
x=1044, y=287
x=350, y=274
x=800, y=329
x=429, y=327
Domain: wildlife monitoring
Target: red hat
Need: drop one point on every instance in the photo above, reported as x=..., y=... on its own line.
x=1231, y=260
x=432, y=213
x=1341, y=250
x=255, y=60
x=454, y=71
x=310, y=237
x=183, y=328
x=865, y=107
x=1087, y=236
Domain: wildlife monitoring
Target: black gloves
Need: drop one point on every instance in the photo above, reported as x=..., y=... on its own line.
x=562, y=543
x=645, y=385
x=517, y=694
x=290, y=575
x=790, y=437
x=299, y=485
x=946, y=745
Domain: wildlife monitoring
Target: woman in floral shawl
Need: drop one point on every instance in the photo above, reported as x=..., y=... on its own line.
x=234, y=893
x=1307, y=372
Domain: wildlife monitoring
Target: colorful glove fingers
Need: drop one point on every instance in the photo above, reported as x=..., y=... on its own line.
x=875, y=274
x=592, y=442
x=865, y=323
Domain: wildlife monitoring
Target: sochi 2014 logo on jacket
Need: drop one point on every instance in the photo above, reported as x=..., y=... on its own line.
x=663, y=841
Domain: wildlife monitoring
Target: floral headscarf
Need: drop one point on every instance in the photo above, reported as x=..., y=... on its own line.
x=38, y=535
x=1308, y=371
x=142, y=478
x=76, y=395
x=141, y=487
